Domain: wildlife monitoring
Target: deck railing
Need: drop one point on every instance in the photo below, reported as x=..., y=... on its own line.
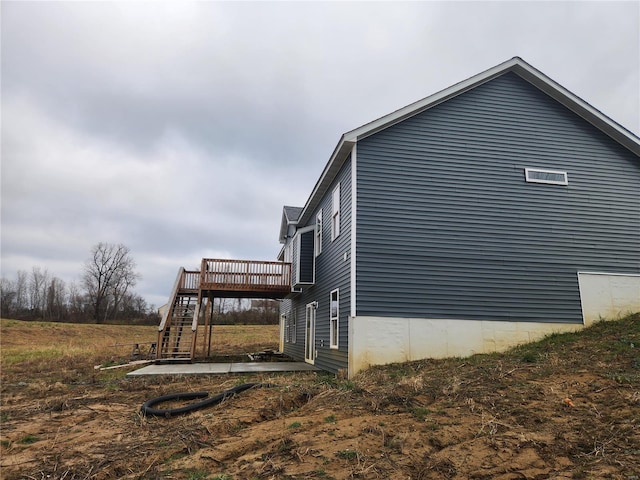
x=186, y=280
x=174, y=292
x=245, y=275
x=190, y=280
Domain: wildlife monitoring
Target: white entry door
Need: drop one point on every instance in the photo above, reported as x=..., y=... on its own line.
x=310, y=334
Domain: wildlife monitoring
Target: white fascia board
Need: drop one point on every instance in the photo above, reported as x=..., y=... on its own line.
x=304, y=230
x=340, y=154
x=284, y=225
x=515, y=65
x=354, y=222
x=578, y=106
x=526, y=72
x=349, y=139
x=429, y=102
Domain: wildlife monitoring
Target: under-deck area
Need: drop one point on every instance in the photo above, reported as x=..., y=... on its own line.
x=192, y=298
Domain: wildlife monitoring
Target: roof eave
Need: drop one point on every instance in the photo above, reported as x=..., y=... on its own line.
x=516, y=65
x=574, y=103
x=526, y=72
x=349, y=139
x=431, y=101
x=331, y=169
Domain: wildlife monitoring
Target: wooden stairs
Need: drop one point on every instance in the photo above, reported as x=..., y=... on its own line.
x=192, y=298
x=177, y=331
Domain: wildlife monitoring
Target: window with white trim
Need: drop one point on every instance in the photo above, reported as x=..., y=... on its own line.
x=285, y=323
x=319, y=233
x=334, y=315
x=539, y=175
x=292, y=327
x=335, y=213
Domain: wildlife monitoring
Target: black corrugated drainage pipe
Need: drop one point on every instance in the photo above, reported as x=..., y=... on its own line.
x=147, y=407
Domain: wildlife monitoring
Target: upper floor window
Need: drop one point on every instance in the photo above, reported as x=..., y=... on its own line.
x=538, y=175
x=333, y=319
x=335, y=213
x=319, y=233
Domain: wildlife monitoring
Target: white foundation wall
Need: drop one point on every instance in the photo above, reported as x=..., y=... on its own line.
x=383, y=340
x=608, y=295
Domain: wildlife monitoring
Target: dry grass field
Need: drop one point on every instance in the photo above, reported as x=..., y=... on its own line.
x=567, y=407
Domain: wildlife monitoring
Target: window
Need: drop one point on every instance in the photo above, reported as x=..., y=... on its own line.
x=319, y=233
x=292, y=327
x=285, y=323
x=335, y=213
x=333, y=319
x=304, y=260
x=310, y=351
x=537, y=175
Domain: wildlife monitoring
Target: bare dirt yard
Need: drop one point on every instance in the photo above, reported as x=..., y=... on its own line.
x=564, y=408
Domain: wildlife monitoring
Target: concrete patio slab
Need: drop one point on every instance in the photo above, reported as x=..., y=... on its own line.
x=253, y=367
x=221, y=368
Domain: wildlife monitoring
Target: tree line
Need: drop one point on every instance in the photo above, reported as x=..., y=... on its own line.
x=103, y=295
x=237, y=311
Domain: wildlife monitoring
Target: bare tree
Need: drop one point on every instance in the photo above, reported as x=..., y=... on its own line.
x=56, y=300
x=7, y=297
x=21, y=291
x=76, y=301
x=107, y=276
x=38, y=285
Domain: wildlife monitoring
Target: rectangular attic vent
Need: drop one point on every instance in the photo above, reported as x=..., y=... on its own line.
x=554, y=177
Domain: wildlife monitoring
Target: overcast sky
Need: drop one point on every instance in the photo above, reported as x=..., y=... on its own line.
x=181, y=129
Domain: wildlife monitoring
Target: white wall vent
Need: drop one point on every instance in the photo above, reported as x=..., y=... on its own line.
x=553, y=177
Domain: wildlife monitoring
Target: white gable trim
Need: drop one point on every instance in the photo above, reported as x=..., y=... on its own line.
x=354, y=209
x=526, y=72
x=516, y=65
x=340, y=154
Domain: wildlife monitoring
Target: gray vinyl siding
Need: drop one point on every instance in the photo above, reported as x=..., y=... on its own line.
x=293, y=348
x=332, y=272
x=285, y=307
x=294, y=339
x=448, y=227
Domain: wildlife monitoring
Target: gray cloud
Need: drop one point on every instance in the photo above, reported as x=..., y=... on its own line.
x=180, y=129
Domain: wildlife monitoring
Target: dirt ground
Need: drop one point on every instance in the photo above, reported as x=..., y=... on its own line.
x=564, y=408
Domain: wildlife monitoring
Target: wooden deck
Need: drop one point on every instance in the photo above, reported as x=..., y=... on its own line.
x=245, y=278
x=238, y=278
x=191, y=301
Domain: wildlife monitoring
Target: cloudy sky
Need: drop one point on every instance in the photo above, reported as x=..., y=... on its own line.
x=181, y=129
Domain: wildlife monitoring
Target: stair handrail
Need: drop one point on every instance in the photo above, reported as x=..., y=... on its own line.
x=194, y=325
x=196, y=316
x=172, y=299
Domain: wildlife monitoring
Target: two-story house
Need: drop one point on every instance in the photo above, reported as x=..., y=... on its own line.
x=486, y=215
